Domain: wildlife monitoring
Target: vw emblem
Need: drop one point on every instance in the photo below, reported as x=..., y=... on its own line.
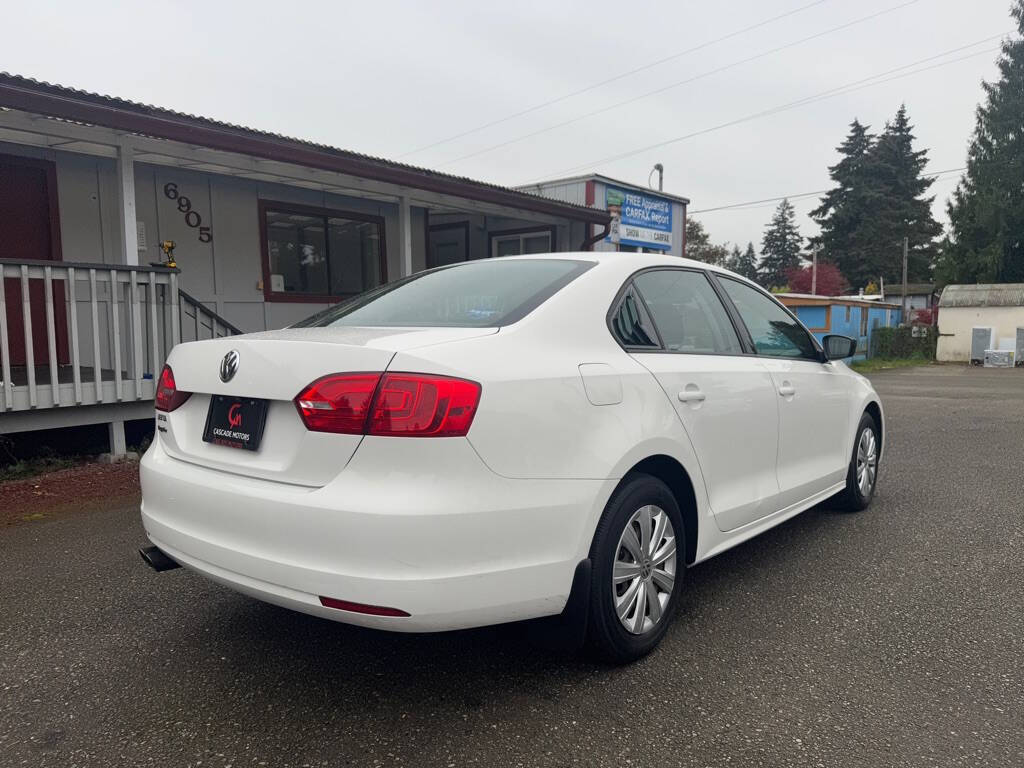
x=229, y=366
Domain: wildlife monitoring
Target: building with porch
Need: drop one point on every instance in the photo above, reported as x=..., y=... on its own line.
x=267, y=230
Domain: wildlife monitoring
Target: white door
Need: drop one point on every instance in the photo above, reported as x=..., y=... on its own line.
x=725, y=399
x=812, y=395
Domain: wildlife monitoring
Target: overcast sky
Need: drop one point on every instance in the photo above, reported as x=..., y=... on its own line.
x=390, y=78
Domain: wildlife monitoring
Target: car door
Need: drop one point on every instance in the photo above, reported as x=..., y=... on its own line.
x=812, y=395
x=725, y=399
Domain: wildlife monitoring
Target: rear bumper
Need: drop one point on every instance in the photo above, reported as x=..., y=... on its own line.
x=418, y=525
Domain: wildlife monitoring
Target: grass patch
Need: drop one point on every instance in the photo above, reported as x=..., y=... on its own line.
x=874, y=364
x=30, y=467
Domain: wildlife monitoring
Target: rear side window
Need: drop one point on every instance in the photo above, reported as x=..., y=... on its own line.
x=687, y=312
x=631, y=324
x=477, y=294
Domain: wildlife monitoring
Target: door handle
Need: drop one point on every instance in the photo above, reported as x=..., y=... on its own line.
x=786, y=389
x=691, y=396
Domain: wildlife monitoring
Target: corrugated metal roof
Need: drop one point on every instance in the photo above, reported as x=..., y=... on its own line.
x=27, y=84
x=913, y=289
x=983, y=295
x=606, y=180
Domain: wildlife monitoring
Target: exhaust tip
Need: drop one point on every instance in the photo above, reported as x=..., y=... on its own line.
x=157, y=559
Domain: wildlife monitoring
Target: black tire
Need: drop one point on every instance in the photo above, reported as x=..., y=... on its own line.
x=607, y=638
x=852, y=499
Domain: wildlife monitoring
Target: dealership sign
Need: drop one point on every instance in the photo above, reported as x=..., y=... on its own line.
x=645, y=220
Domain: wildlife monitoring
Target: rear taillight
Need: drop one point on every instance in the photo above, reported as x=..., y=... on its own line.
x=415, y=405
x=338, y=403
x=167, y=395
x=389, y=405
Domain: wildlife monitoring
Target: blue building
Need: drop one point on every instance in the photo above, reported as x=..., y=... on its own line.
x=846, y=315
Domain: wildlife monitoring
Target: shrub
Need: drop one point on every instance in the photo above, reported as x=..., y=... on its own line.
x=901, y=343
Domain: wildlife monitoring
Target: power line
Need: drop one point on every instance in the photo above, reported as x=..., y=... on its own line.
x=678, y=83
x=757, y=203
x=614, y=78
x=838, y=91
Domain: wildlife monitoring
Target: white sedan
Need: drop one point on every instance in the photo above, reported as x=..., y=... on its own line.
x=540, y=436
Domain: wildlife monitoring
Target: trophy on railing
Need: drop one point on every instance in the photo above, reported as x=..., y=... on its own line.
x=167, y=248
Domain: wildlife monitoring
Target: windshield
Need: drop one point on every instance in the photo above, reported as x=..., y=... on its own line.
x=476, y=294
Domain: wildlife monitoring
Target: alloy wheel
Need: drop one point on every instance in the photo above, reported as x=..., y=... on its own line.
x=644, y=571
x=867, y=462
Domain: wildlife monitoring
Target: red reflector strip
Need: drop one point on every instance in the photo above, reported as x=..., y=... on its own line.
x=372, y=610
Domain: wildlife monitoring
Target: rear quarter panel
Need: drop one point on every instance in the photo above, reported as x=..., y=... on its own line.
x=535, y=420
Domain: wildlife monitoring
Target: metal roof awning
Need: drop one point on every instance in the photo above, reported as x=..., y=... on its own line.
x=79, y=106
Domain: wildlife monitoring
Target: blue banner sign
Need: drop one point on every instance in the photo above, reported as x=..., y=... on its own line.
x=646, y=220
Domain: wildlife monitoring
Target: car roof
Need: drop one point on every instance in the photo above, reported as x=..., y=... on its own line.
x=632, y=261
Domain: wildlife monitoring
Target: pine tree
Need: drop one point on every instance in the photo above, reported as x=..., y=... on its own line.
x=780, y=247
x=878, y=199
x=745, y=263
x=900, y=209
x=699, y=246
x=734, y=258
x=845, y=211
x=986, y=213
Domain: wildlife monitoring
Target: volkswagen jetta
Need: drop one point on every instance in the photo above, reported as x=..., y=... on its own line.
x=557, y=435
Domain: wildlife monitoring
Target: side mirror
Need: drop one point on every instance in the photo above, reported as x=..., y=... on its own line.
x=838, y=347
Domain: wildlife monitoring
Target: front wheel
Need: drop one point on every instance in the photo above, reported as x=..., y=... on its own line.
x=638, y=564
x=863, y=471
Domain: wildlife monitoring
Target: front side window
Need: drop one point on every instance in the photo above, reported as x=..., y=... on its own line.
x=318, y=254
x=773, y=330
x=476, y=294
x=687, y=312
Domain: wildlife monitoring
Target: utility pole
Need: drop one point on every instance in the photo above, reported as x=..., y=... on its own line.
x=904, y=318
x=814, y=270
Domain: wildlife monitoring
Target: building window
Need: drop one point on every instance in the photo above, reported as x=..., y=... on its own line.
x=517, y=242
x=447, y=244
x=863, y=321
x=315, y=254
x=847, y=313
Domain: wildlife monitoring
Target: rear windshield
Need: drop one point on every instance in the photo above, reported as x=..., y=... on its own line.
x=477, y=294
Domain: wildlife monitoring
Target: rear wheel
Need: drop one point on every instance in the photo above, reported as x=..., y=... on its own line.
x=863, y=471
x=638, y=565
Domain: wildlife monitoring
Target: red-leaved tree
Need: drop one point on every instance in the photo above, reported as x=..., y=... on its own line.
x=830, y=280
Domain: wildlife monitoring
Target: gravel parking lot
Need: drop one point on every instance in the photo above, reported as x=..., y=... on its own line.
x=893, y=637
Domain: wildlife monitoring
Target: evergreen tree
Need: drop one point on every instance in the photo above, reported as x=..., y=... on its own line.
x=700, y=247
x=743, y=262
x=747, y=263
x=845, y=213
x=780, y=247
x=878, y=199
x=986, y=213
x=900, y=209
x=734, y=258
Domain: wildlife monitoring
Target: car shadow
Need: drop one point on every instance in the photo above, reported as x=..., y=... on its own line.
x=333, y=660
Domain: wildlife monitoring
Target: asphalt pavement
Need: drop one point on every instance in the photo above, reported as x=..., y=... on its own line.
x=893, y=637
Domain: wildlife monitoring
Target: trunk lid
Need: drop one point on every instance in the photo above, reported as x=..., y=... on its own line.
x=275, y=366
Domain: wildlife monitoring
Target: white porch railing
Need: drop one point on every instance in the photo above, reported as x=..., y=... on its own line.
x=89, y=334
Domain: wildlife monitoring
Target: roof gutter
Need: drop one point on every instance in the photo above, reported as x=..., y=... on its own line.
x=148, y=121
x=588, y=243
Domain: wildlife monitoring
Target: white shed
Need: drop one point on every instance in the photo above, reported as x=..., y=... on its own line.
x=998, y=306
